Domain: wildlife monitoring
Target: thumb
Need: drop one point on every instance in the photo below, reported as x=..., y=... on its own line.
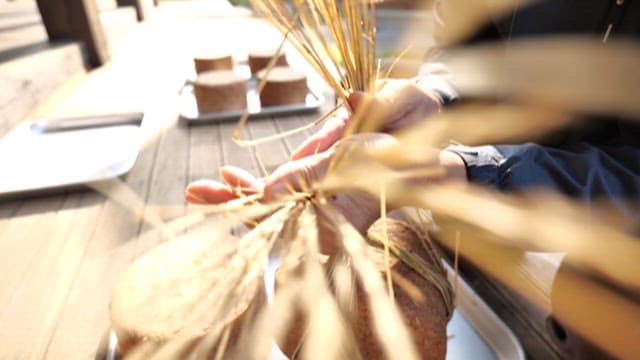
x=322, y=140
x=355, y=100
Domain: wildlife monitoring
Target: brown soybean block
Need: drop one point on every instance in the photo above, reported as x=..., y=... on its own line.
x=283, y=86
x=166, y=293
x=426, y=320
x=212, y=62
x=290, y=340
x=259, y=60
x=220, y=90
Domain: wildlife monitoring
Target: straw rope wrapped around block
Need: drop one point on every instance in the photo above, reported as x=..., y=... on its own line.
x=426, y=313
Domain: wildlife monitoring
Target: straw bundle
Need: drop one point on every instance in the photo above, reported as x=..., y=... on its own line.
x=421, y=297
x=336, y=37
x=345, y=55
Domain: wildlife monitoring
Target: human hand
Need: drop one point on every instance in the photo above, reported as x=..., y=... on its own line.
x=398, y=104
x=359, y=208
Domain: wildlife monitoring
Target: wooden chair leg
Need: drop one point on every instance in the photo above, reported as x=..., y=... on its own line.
x=76, y=20
x=141, y=9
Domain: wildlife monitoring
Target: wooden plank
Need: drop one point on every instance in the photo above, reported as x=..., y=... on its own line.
x=142, y=10
x=212, y=146
x=76, y=20
x=205, y=157
x=85, y=314
x=233, y=154
x=22, y=238
x=39, y=296
x=169, y=178
x=272, y=154
x=112, y=247
x=293, y=122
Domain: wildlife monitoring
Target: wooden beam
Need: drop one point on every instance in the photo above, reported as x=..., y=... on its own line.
x=76, y=20
x=141, y=9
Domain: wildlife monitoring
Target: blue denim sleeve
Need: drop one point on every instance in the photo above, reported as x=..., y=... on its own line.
x=585, y=171
x=482, y=163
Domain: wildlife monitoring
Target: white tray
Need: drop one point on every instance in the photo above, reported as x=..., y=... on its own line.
x=189, y=110
x=35, y=161
x=475, y=331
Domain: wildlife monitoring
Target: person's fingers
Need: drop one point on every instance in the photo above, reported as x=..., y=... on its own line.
x=239, y=178
x=322, y=140
x=396, y=105
x=355, y=100
x=297, y=175
x=407, y=104
x=208, y=192
x=236, y=181
x=370, y=112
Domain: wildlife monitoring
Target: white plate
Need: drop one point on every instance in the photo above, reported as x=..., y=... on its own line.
x=34, y=161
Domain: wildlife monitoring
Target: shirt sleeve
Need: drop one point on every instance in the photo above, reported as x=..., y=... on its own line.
x=588, y=172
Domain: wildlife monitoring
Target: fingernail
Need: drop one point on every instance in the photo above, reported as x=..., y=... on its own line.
x=298, y=152
x=191, y=196
x=236, y=176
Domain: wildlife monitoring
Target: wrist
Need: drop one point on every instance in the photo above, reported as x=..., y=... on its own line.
x=454, y=166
